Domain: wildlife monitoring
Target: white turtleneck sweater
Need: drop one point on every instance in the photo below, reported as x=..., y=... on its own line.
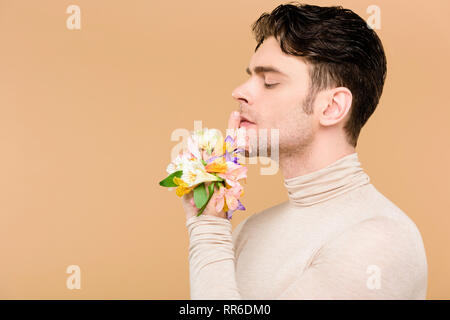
x=337, y=237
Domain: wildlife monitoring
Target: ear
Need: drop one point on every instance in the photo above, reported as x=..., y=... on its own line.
x=338, y=106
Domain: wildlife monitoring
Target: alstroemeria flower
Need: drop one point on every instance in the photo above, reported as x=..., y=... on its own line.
x=193, y=146
x=233, y=149
x=224, y=148
x=229, y=144
x=179, y=162
x=239, y=137
x=219, y=148
x=182, y=188
x=207, y=139
x=194, y=173
x=231, y=157
x=218, y=165
x=228, y=199
x=211, y=158
x=234, y=173
x=230, y=212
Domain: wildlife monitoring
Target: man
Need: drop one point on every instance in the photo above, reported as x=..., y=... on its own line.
x=316, y=75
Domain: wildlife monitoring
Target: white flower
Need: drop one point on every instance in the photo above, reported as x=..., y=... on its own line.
x=193, y=169
x=193, y=146
x=194, y=173
x=206, y=139
x=178, y=163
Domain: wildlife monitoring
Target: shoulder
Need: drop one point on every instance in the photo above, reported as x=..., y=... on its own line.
x=383, y=235
x=392, y=247
x=391, y=222
x=377, y=214
x=376, y=202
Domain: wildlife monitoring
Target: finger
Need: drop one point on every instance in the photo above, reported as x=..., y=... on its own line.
x=234, y=120
x=188, y=199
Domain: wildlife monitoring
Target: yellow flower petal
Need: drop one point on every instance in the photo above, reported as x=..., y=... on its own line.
x=219, y=166
x=182, y=190
x=179, y=181
x=225, y=207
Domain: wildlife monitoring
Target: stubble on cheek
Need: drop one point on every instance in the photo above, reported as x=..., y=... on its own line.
x=297, y=133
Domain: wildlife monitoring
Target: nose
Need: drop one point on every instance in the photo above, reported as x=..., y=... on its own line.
x=240, y=95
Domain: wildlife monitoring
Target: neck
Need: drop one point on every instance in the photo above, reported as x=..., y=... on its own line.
x=339, y=177
x=313, y=158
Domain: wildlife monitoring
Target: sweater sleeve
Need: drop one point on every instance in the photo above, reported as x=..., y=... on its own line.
x=211, y=259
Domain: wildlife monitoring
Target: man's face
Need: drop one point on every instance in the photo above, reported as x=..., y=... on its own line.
x=274, y=100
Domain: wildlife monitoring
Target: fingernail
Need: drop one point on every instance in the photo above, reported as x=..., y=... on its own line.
x=236, y=113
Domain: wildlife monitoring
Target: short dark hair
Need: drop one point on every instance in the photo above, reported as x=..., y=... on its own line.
x=340, y=49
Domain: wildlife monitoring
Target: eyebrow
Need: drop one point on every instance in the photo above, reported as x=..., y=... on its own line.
x=265, y=69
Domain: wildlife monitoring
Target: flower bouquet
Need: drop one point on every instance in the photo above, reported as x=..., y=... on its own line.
x=210, y=159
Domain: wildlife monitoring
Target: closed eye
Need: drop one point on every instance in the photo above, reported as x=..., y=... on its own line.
x=270, y=85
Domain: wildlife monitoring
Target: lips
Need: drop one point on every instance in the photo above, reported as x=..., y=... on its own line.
x=244, y=119
x=247, y=124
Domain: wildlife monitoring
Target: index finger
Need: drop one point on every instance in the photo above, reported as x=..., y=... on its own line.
x=234, y=121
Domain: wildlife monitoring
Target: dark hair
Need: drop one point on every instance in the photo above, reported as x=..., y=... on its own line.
x=340, y=49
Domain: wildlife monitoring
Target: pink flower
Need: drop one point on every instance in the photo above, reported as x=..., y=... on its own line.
x=228, y=198
x=234, y=173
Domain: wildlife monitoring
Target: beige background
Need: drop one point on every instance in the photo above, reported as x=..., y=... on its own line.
x=86, y=118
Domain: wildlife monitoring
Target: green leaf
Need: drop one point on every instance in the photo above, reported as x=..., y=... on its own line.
x=211, y=192
x=200, y=196
x=168, y=182
x=204, y=162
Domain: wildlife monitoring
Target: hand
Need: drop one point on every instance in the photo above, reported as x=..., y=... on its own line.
x=191, y=209
x=210, y=210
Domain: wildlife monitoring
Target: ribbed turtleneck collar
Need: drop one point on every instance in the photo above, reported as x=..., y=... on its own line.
x=339, y=177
